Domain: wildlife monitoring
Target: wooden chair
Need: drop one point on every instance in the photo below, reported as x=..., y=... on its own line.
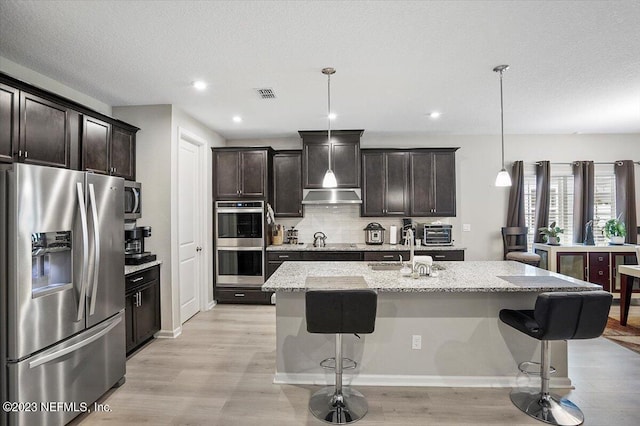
x=514, y=241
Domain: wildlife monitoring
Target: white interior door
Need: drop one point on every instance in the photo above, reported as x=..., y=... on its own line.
x=190, y=232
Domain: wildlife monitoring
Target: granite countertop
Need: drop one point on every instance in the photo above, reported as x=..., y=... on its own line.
x=357, y=247
x=470, y=276
x=582, y=247
x=130, y=269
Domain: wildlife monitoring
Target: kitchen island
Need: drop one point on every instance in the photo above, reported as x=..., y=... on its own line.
x=455, y=315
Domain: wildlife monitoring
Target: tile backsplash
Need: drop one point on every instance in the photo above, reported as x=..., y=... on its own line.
x=341, y=223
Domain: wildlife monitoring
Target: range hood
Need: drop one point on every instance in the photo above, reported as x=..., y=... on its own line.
x=332, y=196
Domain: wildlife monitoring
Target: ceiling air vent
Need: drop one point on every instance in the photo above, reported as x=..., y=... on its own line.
x=266, y=93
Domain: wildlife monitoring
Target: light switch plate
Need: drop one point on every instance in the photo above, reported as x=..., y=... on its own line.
x=466, y=227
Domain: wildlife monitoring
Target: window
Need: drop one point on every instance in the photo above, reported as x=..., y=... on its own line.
x=530, y=206
x=561, y=200
x=604, y=199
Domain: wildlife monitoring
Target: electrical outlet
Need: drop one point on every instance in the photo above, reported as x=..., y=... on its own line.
x=466, y=227
x=416, y=341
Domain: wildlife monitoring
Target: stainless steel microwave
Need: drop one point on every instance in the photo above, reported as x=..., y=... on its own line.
x=132, y=200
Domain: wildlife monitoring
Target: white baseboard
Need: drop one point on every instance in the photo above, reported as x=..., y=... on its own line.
x=168, y=334
x=419, y=381
x=210, y=305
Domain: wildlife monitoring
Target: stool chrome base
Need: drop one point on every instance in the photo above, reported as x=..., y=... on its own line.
x=338, y=409
x=552, y=409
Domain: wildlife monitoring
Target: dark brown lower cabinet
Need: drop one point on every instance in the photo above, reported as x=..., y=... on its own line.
x=442, y=255
x=252, y=295
x=142, y=307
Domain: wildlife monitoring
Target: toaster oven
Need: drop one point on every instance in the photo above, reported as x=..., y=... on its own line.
x=437, y=235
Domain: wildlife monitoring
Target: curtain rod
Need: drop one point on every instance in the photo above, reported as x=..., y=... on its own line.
x=619, y=163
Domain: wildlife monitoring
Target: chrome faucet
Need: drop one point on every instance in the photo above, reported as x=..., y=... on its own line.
x=409, y=240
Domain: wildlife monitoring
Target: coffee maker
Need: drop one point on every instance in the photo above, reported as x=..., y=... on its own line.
x=134, y=253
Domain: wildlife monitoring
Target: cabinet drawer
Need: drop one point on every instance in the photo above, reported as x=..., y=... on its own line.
x=599, y=260
x=327, y=256
x=283, y=256
x=139, y=278
x=442, y=255
x=386, y=255
x=242, y=295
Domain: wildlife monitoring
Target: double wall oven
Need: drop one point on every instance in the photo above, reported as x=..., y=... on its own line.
x=240, y=243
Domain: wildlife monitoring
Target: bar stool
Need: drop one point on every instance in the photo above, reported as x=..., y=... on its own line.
x=557, y=316
x=340, y=312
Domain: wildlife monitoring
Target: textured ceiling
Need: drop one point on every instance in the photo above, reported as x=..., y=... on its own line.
x=575, y=66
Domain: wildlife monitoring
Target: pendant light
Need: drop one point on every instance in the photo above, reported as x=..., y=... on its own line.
x=329, y=180
x=503, y=178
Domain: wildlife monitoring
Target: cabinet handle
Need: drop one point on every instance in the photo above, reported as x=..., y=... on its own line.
x=238, y=294
x=388, y=256
x=135, y=280
x=600, y=258
x=283, y=257
x=439, y=256
x=26, y=154
x=600, y=273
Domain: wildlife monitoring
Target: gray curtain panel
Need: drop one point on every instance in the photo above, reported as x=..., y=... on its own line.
x=543, y=185
x=515, y=209
x=626, y=198
x=583, y=197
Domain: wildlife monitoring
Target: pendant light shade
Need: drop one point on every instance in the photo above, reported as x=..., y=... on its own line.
x=329, y=180
x=503, y=178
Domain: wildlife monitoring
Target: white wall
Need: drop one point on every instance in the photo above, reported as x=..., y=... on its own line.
x=153, y=165
x=479, y=202
x=42, y=81
x=156, y=169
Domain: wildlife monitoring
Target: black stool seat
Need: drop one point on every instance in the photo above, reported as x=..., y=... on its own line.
x=557, y=316
x=562, y=316
x=339, y=312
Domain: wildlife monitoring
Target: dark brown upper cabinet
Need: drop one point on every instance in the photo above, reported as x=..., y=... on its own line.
x=40, y=127
x=96, y=140
x=241, y=172
x=345, y=157
x=108, y=149
x=432, y=189
x=44, y=132
x=9, y=101
x=385, y=183
x=287, y=183
x=123, y=153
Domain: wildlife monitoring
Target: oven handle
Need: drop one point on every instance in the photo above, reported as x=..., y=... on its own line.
x=234, y=210
x=240, y=248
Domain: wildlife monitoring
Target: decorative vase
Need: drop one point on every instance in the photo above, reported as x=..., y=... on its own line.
x=553, y=241
x=616, y=239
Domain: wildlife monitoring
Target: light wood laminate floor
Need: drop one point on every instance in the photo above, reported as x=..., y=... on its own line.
x=220, y=371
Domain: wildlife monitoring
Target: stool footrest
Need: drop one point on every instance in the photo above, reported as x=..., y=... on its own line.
x=330, y=363
x=531, y=368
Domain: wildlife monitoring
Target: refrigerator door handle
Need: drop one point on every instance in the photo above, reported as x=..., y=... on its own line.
x=62, y=352
x=85, y=250
x=96, y=239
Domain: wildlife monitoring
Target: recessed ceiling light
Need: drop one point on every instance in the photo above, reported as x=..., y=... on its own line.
x=199, y=84
x=237, y=119
x=435, y=114
x=332, y=116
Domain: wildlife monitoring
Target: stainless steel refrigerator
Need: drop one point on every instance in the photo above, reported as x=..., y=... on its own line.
x=61, y=291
